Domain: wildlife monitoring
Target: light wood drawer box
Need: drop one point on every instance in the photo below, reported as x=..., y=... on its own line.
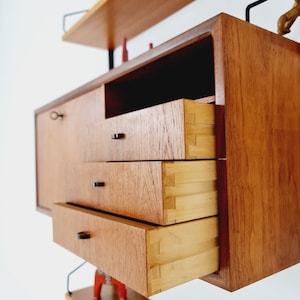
x=154, y=191
x=176, y=130
x=147, y=258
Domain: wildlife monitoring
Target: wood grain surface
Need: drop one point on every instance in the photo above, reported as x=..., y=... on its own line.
x=181, y=129
x=109, y=21
x=59, y=142
x=147, y=258
x=258, y=81
x=153, y=191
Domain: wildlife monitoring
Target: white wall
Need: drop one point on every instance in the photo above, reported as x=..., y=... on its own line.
x=36, y=67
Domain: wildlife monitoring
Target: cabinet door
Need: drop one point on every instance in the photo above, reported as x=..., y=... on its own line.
x=59, y=140
x=50, y=156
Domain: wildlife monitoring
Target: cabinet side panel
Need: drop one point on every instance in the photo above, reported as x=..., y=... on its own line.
x=262, y=75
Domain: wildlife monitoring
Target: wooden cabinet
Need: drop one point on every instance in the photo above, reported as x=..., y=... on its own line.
x=142, y=155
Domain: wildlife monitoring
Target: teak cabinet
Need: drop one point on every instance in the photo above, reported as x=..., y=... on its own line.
x=181, y=163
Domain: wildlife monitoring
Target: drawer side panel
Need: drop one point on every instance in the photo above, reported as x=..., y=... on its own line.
x=182, y=252
x=190, y=190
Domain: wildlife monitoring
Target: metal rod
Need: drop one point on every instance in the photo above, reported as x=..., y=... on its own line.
x=68, y=277
x=251, y=5
x=111, y=58
x=71, y=14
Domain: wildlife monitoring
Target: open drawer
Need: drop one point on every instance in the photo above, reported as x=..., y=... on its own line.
x=160, y=192
x=147, y=258
x=176, y=130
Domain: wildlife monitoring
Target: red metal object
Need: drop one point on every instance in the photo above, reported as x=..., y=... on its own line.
x=102, y=278
x=124, y=50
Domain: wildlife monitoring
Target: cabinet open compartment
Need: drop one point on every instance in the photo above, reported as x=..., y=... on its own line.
x=186, y=72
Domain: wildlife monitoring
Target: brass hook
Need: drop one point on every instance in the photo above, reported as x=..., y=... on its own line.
x=286, y=20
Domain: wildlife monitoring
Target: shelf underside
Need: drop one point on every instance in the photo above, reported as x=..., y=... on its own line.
x=109, y=21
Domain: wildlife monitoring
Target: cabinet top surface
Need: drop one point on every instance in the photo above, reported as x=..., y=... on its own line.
x=109, y=21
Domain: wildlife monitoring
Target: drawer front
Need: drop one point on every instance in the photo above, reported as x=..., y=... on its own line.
x=149, y=259
x=153, y=191
x=177, y=130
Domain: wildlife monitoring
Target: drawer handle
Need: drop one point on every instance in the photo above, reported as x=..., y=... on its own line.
x=54, y=115
x=82, y=235
x=98, y=183
x=118, y=136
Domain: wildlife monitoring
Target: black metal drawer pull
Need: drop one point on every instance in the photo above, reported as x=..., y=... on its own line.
x=118, y=136
x=54, y=115
x=98, y=183
x=82, y=235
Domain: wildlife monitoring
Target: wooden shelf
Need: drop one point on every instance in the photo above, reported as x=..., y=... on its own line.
x=108, y=293
x=109, y=21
